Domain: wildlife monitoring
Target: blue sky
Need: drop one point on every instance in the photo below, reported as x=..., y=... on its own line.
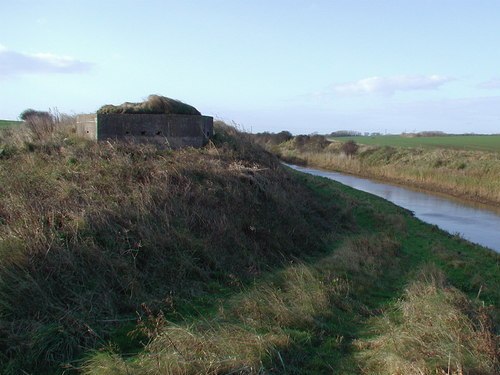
x=304, y=66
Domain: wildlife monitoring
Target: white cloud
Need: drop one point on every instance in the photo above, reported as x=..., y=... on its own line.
x=389, y=85
x=14, y=63
x=493, y=83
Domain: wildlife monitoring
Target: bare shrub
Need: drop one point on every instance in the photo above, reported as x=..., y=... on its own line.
x=271, y=139
x=40, y=123
x=310, y=142
x=350, y=148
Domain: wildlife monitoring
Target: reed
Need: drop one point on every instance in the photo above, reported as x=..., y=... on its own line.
x=472, y=175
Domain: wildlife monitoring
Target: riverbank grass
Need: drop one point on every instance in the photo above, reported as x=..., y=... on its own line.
x=470, y=175
x=329, y=312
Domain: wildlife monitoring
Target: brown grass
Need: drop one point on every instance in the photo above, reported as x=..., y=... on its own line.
x=300, y=295
x=434, y=329
x=243, y=338
x=366, y=257
x=212, y=349
x=473, y=175
x=89, y=231
x=155, y=104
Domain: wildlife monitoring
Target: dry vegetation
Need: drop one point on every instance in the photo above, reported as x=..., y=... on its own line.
x=155, y=104
x=473, y=175
x=249, y=334
x=89, y=231
x=434, y=329
x=221, y=262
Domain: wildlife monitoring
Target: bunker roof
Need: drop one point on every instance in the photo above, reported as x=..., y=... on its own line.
x=155, y=104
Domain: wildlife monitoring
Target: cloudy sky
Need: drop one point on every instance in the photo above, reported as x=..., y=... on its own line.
x=306, y=66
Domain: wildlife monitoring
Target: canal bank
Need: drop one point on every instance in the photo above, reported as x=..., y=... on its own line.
x=471, y=221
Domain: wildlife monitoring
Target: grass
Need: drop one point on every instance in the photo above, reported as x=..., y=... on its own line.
x=323, y=314
x=119, y=258
x=155, y=104
x=9, y=123
x=457, y=142
x=90, y=231
x=433, y=327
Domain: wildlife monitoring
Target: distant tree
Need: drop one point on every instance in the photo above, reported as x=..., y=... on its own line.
x=345, y=133
x=283, y=136
x=350, y=148
x=31, y=114
x=41, y=124
x=267, y=138
x=431, y=133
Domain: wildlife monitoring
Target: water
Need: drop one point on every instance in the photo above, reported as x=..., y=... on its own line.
x=474, y=222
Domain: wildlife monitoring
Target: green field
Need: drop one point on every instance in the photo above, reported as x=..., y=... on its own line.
x=467, y=142
x=8, y=123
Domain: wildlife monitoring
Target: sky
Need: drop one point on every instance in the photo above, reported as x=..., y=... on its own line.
x=386, y=66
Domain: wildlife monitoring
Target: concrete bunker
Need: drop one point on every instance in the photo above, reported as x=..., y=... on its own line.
x=159, y=119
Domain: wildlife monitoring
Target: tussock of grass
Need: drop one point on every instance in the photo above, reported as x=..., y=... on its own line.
x=300, y=295
x=366, y=256
x=434, y=329
x=212, y=349
x=155, y=104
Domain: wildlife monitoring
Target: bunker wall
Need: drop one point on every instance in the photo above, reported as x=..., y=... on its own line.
x=86, y=126
x=173, y=130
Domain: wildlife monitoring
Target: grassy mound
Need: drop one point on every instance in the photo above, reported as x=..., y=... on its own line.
x=155, y=104
x=89, y=232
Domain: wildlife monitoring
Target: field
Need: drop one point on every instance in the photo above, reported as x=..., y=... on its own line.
x=8, y=123
x=464, y=142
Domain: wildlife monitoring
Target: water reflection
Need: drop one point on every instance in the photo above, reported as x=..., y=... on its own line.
x=472, y=221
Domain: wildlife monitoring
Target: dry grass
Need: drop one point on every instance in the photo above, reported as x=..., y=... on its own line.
x=365, y=257
x=155, y=104
x=296, y=299
x=299, y=298
x=89, y=231
x=434, y=329
x=211, y=349
x=243, y=338
x=473, y=175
